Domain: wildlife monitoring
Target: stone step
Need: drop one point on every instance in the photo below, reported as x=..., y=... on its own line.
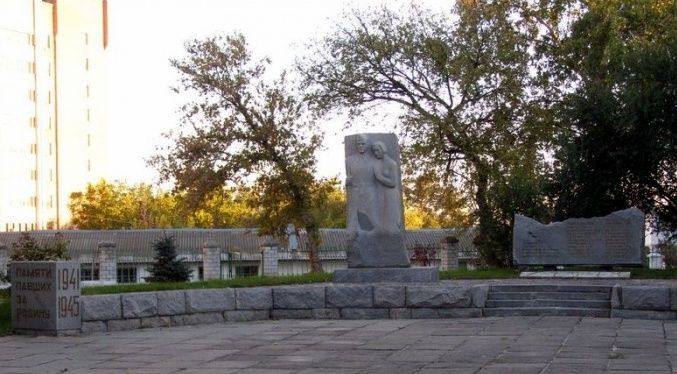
x=525, y=312
x=548, y=296
x=550, y=288
x=536, y=303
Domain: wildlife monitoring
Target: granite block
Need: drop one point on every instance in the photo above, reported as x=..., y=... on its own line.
x=349, y=296
x=301, y=297
x=479, y=295
x=364, y=313
x=157, y=321
x=438, y=297
x=256, y=298
x=171, y=302
x=135, y=305
x=399, y=313
x=646, y=297
x=210, y=300
x=291, y=314
x=389, y=296
x=326, y=313
x=246, y=315
x=101, y=307
x=202, y=318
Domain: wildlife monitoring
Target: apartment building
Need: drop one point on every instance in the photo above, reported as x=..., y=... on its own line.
x=52, y=107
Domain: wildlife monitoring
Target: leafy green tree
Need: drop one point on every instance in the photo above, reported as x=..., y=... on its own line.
x=434, y=204
x=27, y=249
x=167, y=268
x=99, y=207
x=226, y=207
x=329, y=204
x=618, y=136
x=243, y=127
x=470, y=110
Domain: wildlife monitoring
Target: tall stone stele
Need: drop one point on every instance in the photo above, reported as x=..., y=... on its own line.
x=375, y=222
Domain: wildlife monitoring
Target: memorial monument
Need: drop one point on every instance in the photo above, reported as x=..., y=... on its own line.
x=45, y=297
x=615, y=239
x=375, y=221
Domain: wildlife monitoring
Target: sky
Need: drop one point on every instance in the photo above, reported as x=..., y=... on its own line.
x=145, y=34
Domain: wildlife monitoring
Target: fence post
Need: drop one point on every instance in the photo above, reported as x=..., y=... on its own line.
x=449, y=255
x=211, y=260
x=108, y=262
x=269, y=255
x=3, y=259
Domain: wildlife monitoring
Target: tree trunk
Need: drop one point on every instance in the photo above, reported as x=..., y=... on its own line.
x=483, y=241
x=313, y=242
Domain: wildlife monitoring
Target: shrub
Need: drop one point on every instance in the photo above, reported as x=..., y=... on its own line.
x=27, y=249
x=167, y=268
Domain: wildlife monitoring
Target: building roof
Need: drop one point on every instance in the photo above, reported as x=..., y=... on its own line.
x=137, y=245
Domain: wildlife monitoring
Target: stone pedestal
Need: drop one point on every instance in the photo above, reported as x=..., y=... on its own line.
x=211, y=260
x=270, y=258
x=108, y=262
x=380, y=275
x=45, y=297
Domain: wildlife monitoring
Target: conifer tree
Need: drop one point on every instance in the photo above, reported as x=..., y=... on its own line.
x=167, y=268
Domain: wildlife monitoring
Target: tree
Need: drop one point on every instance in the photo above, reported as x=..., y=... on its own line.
x=167, y=268
x=470, y=112
x=241, y=126
x=618, y=139
x=27, y=249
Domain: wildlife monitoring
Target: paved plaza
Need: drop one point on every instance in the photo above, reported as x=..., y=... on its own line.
x=483, y=345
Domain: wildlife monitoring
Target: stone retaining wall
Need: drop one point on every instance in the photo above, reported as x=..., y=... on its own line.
x=328, y=301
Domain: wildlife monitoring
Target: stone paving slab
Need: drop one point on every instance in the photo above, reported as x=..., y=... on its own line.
x=489, y=345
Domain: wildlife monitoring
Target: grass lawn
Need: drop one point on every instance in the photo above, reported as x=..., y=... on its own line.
x=224, y=283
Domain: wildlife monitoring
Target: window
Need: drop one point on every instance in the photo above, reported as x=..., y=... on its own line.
x=89, y=274
x=247, y=271
x=34, y=148
x=87, y=90
x=33, y=201
x=86, y=64
x=34, y=175
x=89, y=165
x=126, y=274
x=49, y=97
x=33, y=122
x=86, y=38
x=200, y=273
x=31, y=95
x=89, y=140
x=50, y=151
x=89, y=115
x=49, y=41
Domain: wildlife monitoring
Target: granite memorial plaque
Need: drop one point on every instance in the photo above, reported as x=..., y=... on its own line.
x=45, y=297
x=615, y=239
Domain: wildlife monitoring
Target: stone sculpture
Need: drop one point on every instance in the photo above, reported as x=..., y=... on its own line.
x=375, y=213
x=615, y=239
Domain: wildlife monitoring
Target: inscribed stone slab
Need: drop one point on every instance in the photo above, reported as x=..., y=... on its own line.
x=615, y=239
x=45, y=296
